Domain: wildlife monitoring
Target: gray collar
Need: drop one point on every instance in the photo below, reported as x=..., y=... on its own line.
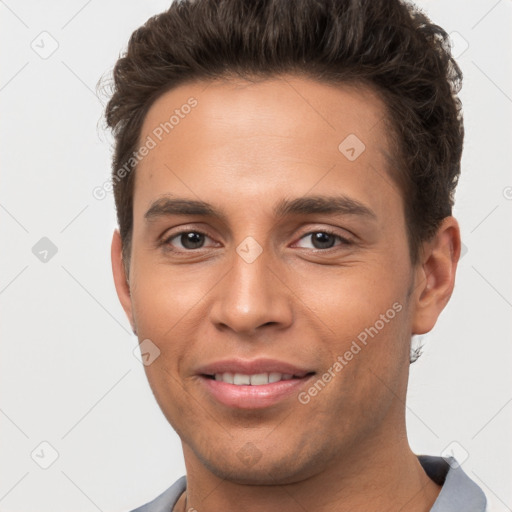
x=459, y=492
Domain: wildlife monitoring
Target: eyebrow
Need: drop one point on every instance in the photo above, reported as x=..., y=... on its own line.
x=323, y=204
x=341, y=205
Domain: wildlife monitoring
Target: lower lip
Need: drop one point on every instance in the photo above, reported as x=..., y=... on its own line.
x=253, y=397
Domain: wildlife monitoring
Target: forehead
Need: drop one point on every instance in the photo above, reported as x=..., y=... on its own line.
x=287, y=133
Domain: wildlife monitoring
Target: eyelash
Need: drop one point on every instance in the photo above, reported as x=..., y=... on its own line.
x=166, y=241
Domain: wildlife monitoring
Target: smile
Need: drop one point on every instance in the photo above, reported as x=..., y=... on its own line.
x=258, y=379
x=254, y=384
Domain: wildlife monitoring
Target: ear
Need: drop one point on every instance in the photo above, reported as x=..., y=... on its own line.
x=435, y=275
x=120, y=277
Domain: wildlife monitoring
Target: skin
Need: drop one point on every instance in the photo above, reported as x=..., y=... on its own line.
x=243, y=149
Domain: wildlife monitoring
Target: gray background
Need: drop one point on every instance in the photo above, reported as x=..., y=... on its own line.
x=68, y=374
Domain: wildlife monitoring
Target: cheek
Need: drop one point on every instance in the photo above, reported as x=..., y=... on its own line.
x=165, y=298
x=350, y=297
x=363, y=313
x=169, y=309
x=366, y=364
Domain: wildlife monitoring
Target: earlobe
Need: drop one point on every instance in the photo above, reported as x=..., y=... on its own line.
x=120, y=277
x=435, y=275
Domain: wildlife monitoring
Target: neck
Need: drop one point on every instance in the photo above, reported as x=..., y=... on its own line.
x=371, y=479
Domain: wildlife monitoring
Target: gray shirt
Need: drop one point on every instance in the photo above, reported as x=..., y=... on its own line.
x=458, y=494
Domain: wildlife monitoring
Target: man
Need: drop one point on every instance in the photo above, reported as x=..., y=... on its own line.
x=284, y=175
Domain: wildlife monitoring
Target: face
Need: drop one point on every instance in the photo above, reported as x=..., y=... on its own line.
x=270, y=267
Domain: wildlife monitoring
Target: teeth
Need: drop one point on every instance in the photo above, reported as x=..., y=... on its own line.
x=226, y=377
x=258, y=379
x=241, y=380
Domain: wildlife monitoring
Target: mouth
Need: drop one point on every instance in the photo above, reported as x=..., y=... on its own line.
x=253, y=384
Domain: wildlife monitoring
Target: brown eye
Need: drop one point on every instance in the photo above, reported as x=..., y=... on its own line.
x=192, y=240
x=322, y=240
x=187, y=240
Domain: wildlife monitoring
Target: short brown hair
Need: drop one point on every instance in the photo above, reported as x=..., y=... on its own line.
x=387, y=44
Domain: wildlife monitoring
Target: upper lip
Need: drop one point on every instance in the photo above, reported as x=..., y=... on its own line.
x=253, y=367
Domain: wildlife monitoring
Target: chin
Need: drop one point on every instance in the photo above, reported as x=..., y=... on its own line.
x=248, y=466
x=261, y=475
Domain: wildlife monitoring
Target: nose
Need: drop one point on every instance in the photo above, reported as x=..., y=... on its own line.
x=251, y=297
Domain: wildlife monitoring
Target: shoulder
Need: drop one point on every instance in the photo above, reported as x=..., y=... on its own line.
x=458, y=491
x=165, y=501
